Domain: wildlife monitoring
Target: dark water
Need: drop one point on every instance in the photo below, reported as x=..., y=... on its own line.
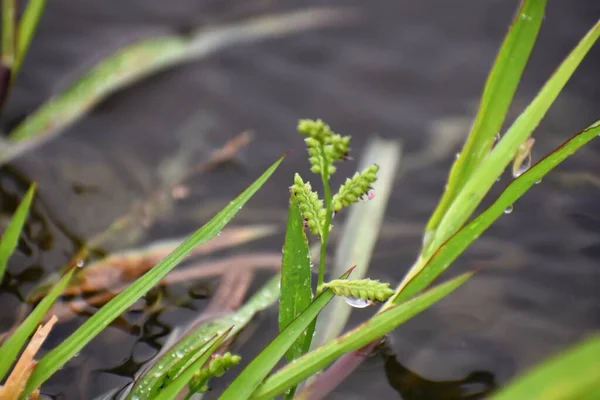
x=402, y=71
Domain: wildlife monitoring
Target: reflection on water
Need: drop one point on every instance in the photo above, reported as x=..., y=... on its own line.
x=412, y=386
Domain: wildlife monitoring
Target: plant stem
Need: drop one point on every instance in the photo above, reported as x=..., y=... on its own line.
x=326, y=226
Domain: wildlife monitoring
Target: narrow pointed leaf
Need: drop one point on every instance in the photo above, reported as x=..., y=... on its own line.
x=56, y=358
x=497, y=96
x=10, y=237
x=243, y=386
x=27, y=27
x=369, y=331
x=296, y=289
x=12, y=346
x=482, y=179
x=572, y=375
x=173, y=389
x=450, y=250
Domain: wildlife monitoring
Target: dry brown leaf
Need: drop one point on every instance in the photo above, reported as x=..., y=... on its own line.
x=22, y=371
x=208, y=269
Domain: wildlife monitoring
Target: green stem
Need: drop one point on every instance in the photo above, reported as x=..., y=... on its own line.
x=326, y=226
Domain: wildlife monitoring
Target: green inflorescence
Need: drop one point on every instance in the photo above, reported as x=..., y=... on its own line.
x=366, y=289
x=215, y=368
x=355, y=188
x=324, y=146
x=310, y=205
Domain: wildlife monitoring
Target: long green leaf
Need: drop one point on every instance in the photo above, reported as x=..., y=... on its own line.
x=55, y=359
x=497, y=96
x=10, y=237
x=573, y=375
x=482, y=179
x=13, y=345
x=450, y=250
x=27, y=27
x=243, y=386
x=173, y=389
x=296, y=289
x=152, y=380
x=369, y=331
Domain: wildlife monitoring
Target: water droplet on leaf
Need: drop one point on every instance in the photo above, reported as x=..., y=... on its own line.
x=357, y=303
x=508, y=210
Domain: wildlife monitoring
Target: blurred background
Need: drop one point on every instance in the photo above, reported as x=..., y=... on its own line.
x=411, y=71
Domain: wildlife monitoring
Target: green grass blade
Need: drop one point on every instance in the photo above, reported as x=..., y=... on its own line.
x=13, y=345
x=151, y=381
x=573, y=375
x=296, y=289
x=10, y=237
x=360, y=232
x=364, y=334
x=139, y=60
x=243, y=386
x=173, y=389
x=9, y=15
x=56, y=358
x=458, y=243
x=27, y=27
x=497, y=96
x=482, y=179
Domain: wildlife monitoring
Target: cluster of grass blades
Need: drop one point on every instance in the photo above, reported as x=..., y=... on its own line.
x=199, y=355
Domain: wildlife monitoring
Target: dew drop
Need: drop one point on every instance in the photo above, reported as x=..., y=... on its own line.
x=357, y=303
x=538, y=181
x=178, y=354
x=508, y=210
x=497, y=138
x=80, y=263
x=522, y=160
x=457, y=155
x=525, y=164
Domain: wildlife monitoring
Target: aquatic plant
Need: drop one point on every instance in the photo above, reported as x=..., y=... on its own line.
x=199, y=355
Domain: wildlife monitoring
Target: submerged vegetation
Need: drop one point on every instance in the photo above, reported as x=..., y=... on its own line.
x=199, y=354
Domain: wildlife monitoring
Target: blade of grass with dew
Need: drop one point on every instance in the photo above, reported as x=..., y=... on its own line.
x=458, y=243
x=27, y=28
x=179, y=383
x=454, y=247
x=296, y=289
x=498, y=93
x=10, y=237
x=146, y=57
x=484, y=177
x=360, y=232
x=13, y=345
x=56, y=358
x=148, y=383
x=369, y=331
x=249, y=379
x=572, y=375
